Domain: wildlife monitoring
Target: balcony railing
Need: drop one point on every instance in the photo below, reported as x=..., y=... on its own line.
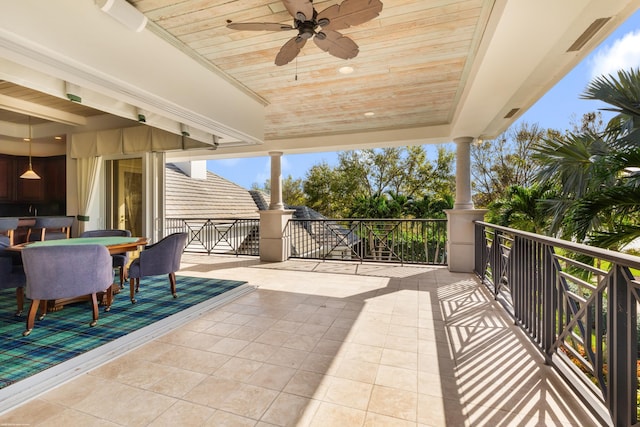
x=231, y=236
x=578, y=304
x=407, y=241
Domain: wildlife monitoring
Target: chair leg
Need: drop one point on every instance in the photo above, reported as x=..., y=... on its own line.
x=94, y=306
x=109, y=298
x=20, y=300
x=122, y=277
x=31, y=316
x=132, y=289
x=172, y=281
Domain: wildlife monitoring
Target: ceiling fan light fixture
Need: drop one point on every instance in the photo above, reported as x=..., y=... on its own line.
x=346, y=70
x=369, y=114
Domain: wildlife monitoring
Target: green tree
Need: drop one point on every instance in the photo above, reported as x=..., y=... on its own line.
x=597, y=172
x=503, y=162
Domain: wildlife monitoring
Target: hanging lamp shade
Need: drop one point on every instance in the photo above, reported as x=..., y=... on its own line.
x=29, y=173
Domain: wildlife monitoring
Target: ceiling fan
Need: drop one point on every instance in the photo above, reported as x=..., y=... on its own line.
x=307, y=21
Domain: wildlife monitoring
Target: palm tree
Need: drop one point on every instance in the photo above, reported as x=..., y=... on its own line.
x=597, y=173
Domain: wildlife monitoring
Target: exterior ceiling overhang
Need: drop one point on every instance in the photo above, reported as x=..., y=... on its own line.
x=491, y=60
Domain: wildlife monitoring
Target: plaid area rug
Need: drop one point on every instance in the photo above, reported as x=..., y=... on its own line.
x=65, y=334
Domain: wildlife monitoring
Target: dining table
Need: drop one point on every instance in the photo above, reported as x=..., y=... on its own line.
x=115, y=245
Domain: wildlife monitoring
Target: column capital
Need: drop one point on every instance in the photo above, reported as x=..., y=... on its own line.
x=463, y=139
x=275, y=153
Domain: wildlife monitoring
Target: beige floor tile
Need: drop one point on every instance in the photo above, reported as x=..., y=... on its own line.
x=183, y=414
x=211, y=391
x=177, y=383
x=228, y=346
x=288, y=357
x=247, y=333
x=307, y=384
x=187, y=338
x=258, y=351
x=238, y=369
x=273, y=337
x=248, y=401
x=354, y=394
x=226, y=419
x=399, y=358
x=125, y=405
x=363, y=352
x=400, y=378
x=192, y=359
x=222, y=329
x=37, y=410
x=290, y=410
x=67, y=418
x=394, y=403
x=357, y=370
x=329, y=414
x=319, y=363
x=301, y=342
x=271, y=376
x=376, y=420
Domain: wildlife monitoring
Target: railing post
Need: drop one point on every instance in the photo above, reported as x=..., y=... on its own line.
x=622, y=347
x=549, y=303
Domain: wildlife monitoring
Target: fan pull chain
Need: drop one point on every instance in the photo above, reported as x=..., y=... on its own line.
x=296, y=69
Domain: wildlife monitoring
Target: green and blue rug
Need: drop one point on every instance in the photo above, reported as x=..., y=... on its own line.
x=64, y=335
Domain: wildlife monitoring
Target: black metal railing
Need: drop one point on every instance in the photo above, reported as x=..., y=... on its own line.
x=578, y=304
x=409, y=241
x=230, y=236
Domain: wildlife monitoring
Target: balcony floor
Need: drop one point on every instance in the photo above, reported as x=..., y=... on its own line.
x=324, y=344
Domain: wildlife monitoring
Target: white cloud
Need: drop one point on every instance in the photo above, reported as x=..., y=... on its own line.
x=623, y=54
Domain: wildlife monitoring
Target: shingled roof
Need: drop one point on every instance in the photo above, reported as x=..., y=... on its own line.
x=213, y=197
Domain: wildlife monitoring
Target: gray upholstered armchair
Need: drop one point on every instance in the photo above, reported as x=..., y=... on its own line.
x=12, y=277
x=55, y=272
x=50, y=228
x=160, y=258
x=120, y=261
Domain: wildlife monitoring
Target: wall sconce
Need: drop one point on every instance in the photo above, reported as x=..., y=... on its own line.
x=215, y=142
x=29, y=173
x=73, y=92
x=125, y=13
x=142, y=118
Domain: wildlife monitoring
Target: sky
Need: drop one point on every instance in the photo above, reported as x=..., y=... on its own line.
x=558, y=109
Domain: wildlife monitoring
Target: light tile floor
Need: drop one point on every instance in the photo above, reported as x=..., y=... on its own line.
x=324, y=344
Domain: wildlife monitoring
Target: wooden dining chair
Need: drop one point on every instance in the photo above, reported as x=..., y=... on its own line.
x=50, y=228
x=8, y=227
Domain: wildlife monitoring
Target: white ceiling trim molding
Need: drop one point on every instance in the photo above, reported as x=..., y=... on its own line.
x=146, y=73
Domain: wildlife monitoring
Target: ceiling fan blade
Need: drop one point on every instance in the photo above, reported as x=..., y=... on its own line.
x=350, y=13
x=305, y=7
x=290, y=50
x=259, y=26
x=336, y=44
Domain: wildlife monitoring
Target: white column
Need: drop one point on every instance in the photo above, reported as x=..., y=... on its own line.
x=276, y=181
x=275, y=245
x=460, y=227
x=463, y=173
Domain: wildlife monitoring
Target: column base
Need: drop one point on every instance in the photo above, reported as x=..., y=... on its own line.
x=461, y=238
x=274, y=245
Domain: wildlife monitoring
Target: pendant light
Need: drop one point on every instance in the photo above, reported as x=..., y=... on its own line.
x=29, y=173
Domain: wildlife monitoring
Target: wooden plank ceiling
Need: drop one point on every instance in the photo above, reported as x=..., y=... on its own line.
x=413, y=62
